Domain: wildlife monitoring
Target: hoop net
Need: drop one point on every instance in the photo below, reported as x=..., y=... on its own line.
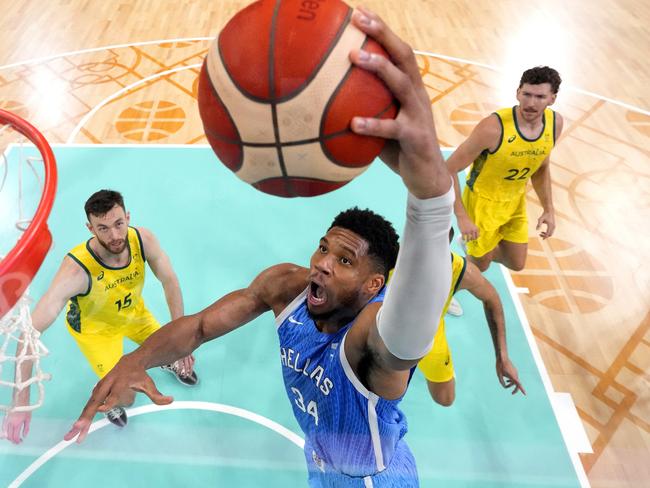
x=19, y=341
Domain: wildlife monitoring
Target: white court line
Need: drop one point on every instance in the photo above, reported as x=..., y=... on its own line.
x=188, y=405
x=568, y=87
x=103, y=48
x=522, y=290
x=190, y=39
x=94, y=110
x=546, y=380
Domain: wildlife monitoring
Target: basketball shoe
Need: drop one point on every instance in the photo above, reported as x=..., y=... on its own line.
x=188, y=379
x=454, y=308
x=117, y=416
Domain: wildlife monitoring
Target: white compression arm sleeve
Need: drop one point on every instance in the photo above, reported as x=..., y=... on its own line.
x=408, y=319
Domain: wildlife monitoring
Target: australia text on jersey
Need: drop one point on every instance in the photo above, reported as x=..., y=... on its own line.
x=528, y=152
x=122, y=279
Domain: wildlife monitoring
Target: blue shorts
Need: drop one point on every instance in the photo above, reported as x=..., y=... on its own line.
x=400, y=473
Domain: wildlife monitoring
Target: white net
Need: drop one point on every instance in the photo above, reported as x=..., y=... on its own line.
x=21, y=343
x=21, y=185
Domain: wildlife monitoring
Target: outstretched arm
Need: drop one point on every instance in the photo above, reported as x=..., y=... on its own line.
x=182, y=336
x=474, y=282
x=70, y=280
x=162, y=267
x=404, y=330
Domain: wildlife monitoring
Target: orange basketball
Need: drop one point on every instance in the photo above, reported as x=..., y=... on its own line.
x=277, y=93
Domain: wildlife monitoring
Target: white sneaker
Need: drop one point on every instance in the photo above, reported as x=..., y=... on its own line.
x=463, y=245
x=454, y=308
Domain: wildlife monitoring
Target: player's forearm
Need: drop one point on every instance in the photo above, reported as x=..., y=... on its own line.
x=22, y=373
x=496, y=323
x=542, y=186
x=174, y=297
x=426, y=177
x=419, y=288
x=459, y=208
x=169, y=343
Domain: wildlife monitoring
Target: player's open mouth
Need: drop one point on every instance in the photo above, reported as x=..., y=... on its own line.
x=316, y=295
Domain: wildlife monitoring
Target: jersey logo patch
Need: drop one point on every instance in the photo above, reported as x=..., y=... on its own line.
x=100, y=276
x=294, y=321
x=512, y=138
x=318, y=461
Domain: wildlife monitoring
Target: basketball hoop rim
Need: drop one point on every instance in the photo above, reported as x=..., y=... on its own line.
x=39, y=222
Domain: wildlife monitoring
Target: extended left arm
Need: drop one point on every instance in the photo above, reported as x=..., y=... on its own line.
x=481, y=288
x=162, y=267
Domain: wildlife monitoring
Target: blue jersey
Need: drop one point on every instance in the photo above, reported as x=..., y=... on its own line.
x=348, y=429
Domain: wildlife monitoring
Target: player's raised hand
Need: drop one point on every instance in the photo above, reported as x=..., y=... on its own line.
x=417, y=157
x=117, y=388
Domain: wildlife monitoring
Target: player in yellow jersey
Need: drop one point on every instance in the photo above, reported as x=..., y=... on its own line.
x=101, y=281
x=438, y=367
x=506, y=149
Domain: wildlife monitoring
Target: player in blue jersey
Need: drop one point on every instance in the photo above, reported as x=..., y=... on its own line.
x=346, y=349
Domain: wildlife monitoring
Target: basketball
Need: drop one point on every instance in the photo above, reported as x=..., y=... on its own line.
x=277, y=92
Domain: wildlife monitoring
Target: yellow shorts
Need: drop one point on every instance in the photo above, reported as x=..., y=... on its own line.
x=496, y=221
x=103, y=351
x=437, y=365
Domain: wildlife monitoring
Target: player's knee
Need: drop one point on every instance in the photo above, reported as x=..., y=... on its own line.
x=518, y=266
x=442, y=393
x=445, y=399
x=518, y=263
x=482, y=264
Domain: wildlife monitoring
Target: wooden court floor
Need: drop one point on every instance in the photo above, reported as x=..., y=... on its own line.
x=125, y=72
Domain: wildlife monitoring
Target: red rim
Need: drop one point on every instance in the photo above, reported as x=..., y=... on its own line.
x=18, y=267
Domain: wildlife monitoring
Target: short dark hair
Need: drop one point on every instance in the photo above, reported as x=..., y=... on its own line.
x=539, y=75
x=102, y=201
x=383, y=241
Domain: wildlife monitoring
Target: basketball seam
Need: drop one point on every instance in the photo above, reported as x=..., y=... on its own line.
x=225, y=108
x=274, y=106
x=299, y=142
x=316, y=70
x=326, y=152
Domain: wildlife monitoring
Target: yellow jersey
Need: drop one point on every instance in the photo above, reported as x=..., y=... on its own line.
x=114, y=295
x=458, y=265
x=502, y=175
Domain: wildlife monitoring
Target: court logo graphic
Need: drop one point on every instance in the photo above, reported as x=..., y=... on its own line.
x=511, y=139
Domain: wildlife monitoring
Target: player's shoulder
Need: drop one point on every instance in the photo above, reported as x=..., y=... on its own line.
x=73, y=275
x=281, y=283
x=71, y=265
x=144, y=233
x=488, y=130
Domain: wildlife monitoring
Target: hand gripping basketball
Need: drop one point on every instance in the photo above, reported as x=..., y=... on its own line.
x=417, y=157
x=277, y=93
